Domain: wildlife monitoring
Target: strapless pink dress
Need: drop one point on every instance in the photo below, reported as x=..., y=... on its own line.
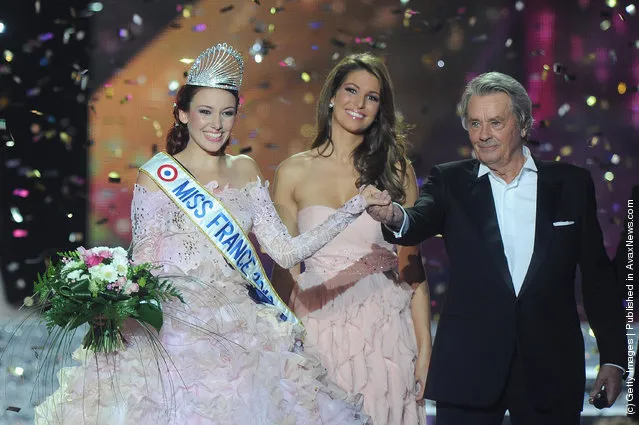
x=358, y=318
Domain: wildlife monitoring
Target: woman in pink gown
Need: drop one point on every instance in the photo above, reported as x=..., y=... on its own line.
x=366, y=309
x=221, y=358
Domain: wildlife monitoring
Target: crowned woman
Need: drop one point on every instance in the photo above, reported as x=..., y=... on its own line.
x=233, y=353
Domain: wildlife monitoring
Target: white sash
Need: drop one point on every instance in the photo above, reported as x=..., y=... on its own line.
x=210, y=216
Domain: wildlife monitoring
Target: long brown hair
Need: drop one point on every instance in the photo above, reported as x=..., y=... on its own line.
x=380, y=159
x=178, y=136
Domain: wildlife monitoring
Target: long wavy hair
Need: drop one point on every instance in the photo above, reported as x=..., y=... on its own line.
x=178, y=135
x=380, y=159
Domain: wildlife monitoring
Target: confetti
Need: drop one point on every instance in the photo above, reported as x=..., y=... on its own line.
x=20, y=233
x=114, y=177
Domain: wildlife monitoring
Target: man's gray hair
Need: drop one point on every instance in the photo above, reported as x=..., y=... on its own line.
x=496, y=82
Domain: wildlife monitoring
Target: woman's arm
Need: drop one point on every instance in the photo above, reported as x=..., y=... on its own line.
x=284, y=199
x=412, y=271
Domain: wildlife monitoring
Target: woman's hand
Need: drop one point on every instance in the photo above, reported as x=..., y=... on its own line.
x=374, y=196
x=421, y=372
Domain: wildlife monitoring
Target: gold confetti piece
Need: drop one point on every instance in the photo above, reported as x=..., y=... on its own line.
x=114, y=177
x=309, y=98
x=621, y=88
x=65, y=138
x=566, y=150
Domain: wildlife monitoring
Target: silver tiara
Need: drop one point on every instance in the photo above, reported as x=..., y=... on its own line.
x=219, y=66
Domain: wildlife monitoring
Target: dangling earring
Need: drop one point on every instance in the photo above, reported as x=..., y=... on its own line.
x=331, y=105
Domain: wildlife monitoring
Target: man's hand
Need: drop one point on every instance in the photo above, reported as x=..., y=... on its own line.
x=390, y=214
x=610, y=377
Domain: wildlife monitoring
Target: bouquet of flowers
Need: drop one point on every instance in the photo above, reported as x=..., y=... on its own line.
x=102, y=287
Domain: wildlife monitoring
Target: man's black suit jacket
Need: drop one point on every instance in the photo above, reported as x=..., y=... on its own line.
x=482, y=321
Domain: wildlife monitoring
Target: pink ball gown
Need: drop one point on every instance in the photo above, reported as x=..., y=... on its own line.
x=221, y=358
x=358, y=318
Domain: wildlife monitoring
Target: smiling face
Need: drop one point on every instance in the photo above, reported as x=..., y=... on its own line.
x=210, y=118
x=356, y=102
x=494, y=131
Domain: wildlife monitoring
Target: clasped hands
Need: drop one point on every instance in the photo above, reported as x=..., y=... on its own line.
x=375, y=197
x=380, y=206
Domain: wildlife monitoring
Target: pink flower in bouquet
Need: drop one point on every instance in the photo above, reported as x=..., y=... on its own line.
x=92, y=258
x=132, y=288
x=105, y=253
x=121, y=282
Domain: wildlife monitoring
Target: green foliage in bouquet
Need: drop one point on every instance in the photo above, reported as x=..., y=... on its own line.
x=103, y=288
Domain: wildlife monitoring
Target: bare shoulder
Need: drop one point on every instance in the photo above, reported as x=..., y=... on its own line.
x=243, y=162
x=295, y=164
x=245, y=169
x=146, y=182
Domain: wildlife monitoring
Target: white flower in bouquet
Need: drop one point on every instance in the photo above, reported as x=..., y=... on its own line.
x=77, y=275
x=120, y=253
x=121, y=265
x=71, y=265
x=104, y=273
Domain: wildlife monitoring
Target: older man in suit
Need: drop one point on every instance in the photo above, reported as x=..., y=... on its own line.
x=515, y=230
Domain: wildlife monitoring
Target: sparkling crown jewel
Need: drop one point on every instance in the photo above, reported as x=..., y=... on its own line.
x=219, y=66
